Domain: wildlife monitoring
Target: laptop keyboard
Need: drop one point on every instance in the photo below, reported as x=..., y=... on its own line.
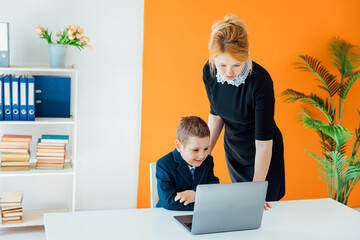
x=185, y=220
x=188, y=224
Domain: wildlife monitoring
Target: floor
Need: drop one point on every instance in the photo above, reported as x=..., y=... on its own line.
x=34, y=233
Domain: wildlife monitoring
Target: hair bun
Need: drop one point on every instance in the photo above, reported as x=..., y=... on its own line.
x=234, y=20
x=231, y=18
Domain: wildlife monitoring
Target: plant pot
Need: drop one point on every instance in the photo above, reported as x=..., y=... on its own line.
x=57, y=55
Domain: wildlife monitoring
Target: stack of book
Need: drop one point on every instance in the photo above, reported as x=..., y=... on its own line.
x=15, y=152
x=51, y=150
x=11, y=210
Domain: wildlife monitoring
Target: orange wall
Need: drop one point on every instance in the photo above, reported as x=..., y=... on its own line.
x=176, y=35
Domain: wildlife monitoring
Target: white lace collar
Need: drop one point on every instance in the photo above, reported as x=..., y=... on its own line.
x=238, y=80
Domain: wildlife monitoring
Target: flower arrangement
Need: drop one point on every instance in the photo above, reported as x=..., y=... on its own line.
x=72, y=35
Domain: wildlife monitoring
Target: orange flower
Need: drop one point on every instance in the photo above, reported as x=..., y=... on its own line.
x=71, y=37
x=57, y=34
x=86, y=39
x=78, y=36
x=70, y=31
x=80, y=30
x=39, y=32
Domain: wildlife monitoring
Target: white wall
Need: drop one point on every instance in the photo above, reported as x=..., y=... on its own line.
x=109, y=100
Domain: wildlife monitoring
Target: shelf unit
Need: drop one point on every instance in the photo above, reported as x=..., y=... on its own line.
x=34, y=217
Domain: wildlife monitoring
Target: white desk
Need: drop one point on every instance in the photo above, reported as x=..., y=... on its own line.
x=303, y=219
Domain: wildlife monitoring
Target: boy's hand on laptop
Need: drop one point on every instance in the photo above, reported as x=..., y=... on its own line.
x=185, y=197
x=267, y=206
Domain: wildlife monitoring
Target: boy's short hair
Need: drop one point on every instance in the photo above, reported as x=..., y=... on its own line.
x=191, y=126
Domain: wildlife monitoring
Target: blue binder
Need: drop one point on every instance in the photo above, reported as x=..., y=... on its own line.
x=15, y=97
x=31, y=98
x=52, y=96
x=7, y=98
x=23, y=98
x=1, y=97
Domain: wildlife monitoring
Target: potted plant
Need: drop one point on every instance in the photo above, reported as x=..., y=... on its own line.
x=72, y=35
x=340, y=171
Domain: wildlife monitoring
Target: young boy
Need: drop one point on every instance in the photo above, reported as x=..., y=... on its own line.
x=180, y=171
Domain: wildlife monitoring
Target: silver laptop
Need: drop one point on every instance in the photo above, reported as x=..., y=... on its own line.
x=226, y=207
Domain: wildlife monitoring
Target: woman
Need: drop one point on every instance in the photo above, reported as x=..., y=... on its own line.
x=241, y=97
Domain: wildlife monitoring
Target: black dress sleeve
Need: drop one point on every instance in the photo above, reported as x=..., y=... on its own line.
x=207, y=81
x=264, y=106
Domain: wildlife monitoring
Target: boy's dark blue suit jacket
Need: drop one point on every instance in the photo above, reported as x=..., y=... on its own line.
x=173, y=175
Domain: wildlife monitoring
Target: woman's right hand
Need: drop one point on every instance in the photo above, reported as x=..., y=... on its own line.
x=267, y=206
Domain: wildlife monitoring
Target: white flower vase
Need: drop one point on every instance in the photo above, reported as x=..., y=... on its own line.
x=57, y=54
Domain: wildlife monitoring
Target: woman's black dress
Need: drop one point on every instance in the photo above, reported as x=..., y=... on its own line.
x=248, y=115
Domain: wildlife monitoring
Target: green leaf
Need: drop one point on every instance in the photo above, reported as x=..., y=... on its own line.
x=346, y=57
x=312, y=65
x=290, y=95
x=345, y=88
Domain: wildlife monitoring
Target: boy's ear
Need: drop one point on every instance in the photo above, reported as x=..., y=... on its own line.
x=178, y=145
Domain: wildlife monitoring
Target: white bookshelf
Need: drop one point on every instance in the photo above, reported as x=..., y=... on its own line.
x=64, y=126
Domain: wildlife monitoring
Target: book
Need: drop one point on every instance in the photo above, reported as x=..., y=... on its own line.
x=15, y=168
x=4, y=221
x=50, y=161
x=54, y=139
x=15, y=155
x=16, y=138
x=50, y=158
x=14, y=145
x=50, y=167
x=51, y=147
x=13, y=214
x=11, y=218
x=50, y=154
x=13, y=205
x=4, y=164
x=11, y=196
x=11, y=208
x=15, y=159
x=13, y=150
x=48, y=150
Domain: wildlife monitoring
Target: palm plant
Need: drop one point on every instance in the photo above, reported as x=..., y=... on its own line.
x=339, y=171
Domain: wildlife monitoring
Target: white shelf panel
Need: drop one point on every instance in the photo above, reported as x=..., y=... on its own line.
x=34, y=217
x=19, y=68
x=40, y=121
x=68, y=170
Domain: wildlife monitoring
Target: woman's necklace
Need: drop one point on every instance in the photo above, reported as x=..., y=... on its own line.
x=238, y=80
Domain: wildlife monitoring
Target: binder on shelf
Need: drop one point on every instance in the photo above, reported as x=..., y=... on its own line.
x=31, y=98
x=23, y=98
x=52, y=96
x=4, y=45
x=15, y=97
x=1, y=97
x=7, y=98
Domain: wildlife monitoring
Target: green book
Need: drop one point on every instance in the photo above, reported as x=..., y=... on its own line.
x=54, y=139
